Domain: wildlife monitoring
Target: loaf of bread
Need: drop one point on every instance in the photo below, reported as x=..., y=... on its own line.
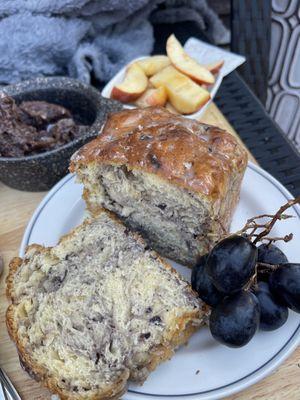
x=97, y=310
x=173, y=179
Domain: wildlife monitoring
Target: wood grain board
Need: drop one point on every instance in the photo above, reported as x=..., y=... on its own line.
x=16, y=208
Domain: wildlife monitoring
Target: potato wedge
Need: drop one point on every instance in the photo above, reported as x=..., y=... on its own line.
x=187, y=65
x=152, y=97
x=184, y=94
x=133, y=85
x=152, y=65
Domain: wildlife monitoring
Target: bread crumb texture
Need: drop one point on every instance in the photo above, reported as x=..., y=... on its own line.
x=175, y=180
x=96, y=310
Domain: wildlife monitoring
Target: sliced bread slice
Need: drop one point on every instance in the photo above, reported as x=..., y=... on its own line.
x=96, y=310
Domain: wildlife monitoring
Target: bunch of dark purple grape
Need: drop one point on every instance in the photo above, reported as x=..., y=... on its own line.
x=248, y=286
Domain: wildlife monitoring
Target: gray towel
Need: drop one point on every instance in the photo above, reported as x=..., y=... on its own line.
x=81, y=38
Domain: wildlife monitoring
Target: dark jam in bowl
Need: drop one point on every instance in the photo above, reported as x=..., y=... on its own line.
x=37, y=168
x=34, y=127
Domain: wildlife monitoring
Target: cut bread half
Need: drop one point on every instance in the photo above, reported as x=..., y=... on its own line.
x=173, y=179
x=97, y=310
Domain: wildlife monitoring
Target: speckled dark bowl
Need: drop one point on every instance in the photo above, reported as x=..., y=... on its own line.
x=40, y=172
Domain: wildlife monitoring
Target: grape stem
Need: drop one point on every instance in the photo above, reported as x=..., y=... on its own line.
x=262, y=268
x=265, y=267
x=253, y=280
x=279, y=215
x=285, y=238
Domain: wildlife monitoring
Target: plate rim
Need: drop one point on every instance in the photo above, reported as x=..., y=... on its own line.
x=226, y=390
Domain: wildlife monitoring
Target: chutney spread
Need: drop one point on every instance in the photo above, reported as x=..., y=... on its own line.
x=34, y=127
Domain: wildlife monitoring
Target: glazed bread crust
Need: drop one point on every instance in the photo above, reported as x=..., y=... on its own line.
x=197, y=157
x=97, y=310
x=173, y=179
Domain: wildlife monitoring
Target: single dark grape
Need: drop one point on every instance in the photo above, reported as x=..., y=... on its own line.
x=271, y=254
x=231, y=263
x=235, y=319
x=285, y=283
x=202, y=284
x=272, y=314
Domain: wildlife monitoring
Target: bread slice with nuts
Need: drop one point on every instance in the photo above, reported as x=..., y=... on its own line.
x=97, y=310
x=173, y=179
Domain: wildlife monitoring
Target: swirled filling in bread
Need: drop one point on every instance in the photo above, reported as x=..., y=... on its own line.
x=96, y=310
x=173, y=179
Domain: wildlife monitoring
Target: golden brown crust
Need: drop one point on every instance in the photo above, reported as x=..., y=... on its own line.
x=198, y=157
x=14, y=265
x=182, y=328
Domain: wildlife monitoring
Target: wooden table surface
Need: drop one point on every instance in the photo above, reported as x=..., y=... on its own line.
x=16, y=208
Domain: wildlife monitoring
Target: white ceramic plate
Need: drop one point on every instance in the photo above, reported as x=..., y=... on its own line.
x=203, y=53
x=204, y=369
